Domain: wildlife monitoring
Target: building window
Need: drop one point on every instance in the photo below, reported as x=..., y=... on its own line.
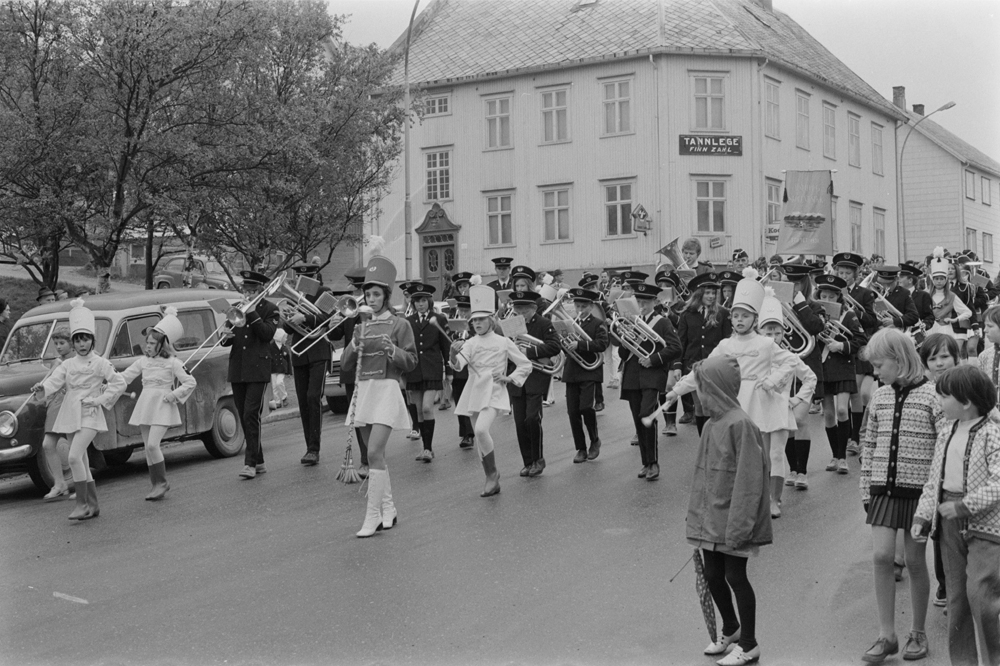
x=499, y=220
x=556, y=214
x=970, y=185
x=833, y=217
x=498, y=123
x=802, y=120
x=437, y=106
x=438, y=181
x=877, y=164
x=617, y=107
x=970, y=239
x=987, y=255
x=856, y=227
x=555, y=122
x=987, y=184
x=853, y=140
x=829, y=131
x=772, y=113
x=878, y=217
x=773, y=202
x=618, y=209
x=709, y=103
x=710, y=198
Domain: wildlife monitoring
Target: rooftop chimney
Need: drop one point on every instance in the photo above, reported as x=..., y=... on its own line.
x=899, y=96
x=918, y=109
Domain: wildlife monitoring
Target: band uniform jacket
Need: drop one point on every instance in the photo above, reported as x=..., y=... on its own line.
x=538, y=382
x=589, y=351
x=433, y=346
x=496, y=286
x=840, y=366
x=924, y=306
x=250, y=356
x=810, y=315
x=319, y=352
x=867, y=318
x=697, y=340
x=900, y=299
x=634, y=376
x=344, y=331
x=974, y=299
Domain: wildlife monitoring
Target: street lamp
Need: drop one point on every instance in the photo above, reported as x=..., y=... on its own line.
x=899, y=171
x=407, y=208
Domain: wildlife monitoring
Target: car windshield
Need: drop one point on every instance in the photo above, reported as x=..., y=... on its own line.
x=33, y=342
x=213, y=267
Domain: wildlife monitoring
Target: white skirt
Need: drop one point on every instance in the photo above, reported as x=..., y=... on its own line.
x=379, y=401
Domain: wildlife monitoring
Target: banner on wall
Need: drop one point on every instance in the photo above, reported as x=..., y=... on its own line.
x=807, y=214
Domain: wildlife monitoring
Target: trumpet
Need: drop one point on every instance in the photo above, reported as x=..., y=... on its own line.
x=634, y=334
x=797, y=339
x=343, y=307
x=546, y=368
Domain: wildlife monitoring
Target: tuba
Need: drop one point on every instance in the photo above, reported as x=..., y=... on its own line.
x=632, y=332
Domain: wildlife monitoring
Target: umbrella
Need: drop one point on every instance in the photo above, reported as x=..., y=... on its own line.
x=704, y=596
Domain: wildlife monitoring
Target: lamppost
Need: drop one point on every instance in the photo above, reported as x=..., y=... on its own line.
x=407, y=208
x=899, y=171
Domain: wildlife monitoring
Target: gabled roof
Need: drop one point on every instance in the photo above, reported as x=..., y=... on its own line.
x=465, y=40
x=961, y=150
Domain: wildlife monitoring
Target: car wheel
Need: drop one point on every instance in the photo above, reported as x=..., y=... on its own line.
x=337, y=403
x=41, y=475
x=163, y=285
x=117, y=456
x=225, y=439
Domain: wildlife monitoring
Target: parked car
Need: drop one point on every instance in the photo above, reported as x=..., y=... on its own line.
x=205, y=272
x=209, y=414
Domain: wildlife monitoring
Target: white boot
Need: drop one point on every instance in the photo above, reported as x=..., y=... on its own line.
x=388, y=508
x=376, y=490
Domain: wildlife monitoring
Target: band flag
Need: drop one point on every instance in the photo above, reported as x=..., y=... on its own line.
x=807, y=214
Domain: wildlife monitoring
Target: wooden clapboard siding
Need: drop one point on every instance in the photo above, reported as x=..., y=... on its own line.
x=932, y=185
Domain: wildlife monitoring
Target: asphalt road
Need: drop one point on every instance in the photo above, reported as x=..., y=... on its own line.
x=572, y=567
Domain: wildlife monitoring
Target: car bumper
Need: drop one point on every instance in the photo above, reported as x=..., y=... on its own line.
x=15, y=453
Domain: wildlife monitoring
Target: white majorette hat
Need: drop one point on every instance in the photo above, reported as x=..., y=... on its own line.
x=770, y=310
x=170, y=326
x=749, y=292
x=481, y=300
x=939, y=265
x=81, y=319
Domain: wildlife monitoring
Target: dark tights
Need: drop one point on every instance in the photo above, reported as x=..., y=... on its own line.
x=722, y=573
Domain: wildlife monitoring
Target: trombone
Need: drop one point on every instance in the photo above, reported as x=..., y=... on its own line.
x=235, y=316
x=343, y=307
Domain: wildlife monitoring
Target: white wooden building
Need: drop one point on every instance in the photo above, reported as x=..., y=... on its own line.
x=545, y=124
x=951, y=190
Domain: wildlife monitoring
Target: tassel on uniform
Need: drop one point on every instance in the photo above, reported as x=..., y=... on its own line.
x=347, y=473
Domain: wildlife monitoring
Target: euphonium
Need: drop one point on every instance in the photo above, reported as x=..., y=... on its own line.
x=634, y=334
x=797, y=339
x=557, y=364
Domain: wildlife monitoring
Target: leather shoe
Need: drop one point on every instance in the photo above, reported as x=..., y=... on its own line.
x=686, y=418
x=595, y=449
x=536, y=468
x=720, y=646
x=877, y=653
x=635, y=440
x=310, y=458
x=642, y=474
x=466, y=442
x=652, y=472
x=581, y=457
x=261, y=469
x=526, y=470
x=425, y=456
x=738, y=657
x=248, y=472
x=670, y=429
x=916, y=646
x=598, y=406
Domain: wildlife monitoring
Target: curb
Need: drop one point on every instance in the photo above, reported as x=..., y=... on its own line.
x=284, y=414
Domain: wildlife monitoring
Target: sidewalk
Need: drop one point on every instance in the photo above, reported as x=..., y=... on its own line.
x=73, y=275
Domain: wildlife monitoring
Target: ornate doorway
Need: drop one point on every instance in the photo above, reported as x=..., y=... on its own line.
x=438, y=249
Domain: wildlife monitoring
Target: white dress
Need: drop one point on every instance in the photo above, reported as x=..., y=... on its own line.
x=485, y=354
x=84, y=377
x=158, y=375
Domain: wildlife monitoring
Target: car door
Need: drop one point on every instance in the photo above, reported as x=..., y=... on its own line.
x=199, y=410
x=127, y=347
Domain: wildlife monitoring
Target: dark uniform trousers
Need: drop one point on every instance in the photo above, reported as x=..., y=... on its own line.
x=249, y=397
x=309, y=380
x=580, y=398
x=582, y=384
x=640, y=403
x=527, y=410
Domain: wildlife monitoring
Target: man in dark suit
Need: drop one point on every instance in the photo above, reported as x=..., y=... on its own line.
x=503, y=280
x=581, y=383
x=898, y=297
x=644, y=379
x=908, y=276
x=526, y=400
x=250, y=368
x=309, y=368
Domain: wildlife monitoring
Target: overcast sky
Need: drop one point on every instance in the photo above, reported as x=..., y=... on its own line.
x=941, y=50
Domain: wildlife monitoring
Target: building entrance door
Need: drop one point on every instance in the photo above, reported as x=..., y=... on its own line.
x=438, y=250
x=438, y=267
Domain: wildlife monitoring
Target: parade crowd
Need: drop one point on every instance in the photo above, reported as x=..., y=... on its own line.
x=901, y=364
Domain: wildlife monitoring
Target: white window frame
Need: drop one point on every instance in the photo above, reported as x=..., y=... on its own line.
x=856, y=216
x=772, y=187
x=711, y=199
x=987, y=253
x=802, y=101
x=709, y=95
x=834, y=200
x=970, y=235
x=436, y=102
x=618, y=205
x=498, y=215
x=496, y=119
x=772, y=109
x=829, y=130
x=555, y=111
x=619, y=107
x=555, y=208
x=436, y=170
x=970, y=185
x=878, y=157
x=986, y=184
x=854, y=141
x=878, y=223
